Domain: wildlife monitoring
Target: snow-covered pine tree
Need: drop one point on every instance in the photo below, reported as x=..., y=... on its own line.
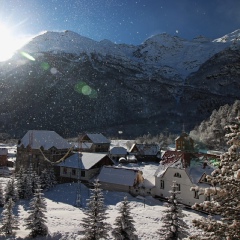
x=20, y=182
x=173, y=227
x=2, y=200
x=45, y=179
x=124, y=223
x=27, y=183
x=94, y=223
x=225, y=193
x=11, y=190
x=35, y=181
x=52, y=177
x=9, y=222
x=36, y=220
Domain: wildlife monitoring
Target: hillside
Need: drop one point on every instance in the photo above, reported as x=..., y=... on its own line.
x=64, y=82
x=211, y=131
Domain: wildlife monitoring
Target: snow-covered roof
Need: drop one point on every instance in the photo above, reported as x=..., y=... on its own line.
x=163, y=167
x=97, y=138
x=3, y=151
x=86, y=145
x=87, y=160
x=145, y=149
x=118, y=151
x=118, y=175
x=197, y=169
x=45, y=139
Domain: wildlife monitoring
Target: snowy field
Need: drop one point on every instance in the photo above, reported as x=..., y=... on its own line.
x=64, y=218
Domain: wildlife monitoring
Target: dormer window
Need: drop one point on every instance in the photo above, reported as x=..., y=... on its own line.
x=177, y=175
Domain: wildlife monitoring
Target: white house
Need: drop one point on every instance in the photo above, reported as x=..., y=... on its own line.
x=121, y=179
x=188, y=171
x=88, y=165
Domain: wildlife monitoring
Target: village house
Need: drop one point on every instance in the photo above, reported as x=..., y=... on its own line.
x=184, y=143
x=146, y=152
x=81, y=166
x=189, y=172
x=41, y=149
x=94, y=142
x=116, y=153
x=121, y=179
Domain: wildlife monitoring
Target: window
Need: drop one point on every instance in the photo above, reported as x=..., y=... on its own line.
x=82, y=173
x=162, y=184
x=196, y=195
x=207, y=198
x=177, y=175
x=64, y=170
x=73, y=171
x=178, y=188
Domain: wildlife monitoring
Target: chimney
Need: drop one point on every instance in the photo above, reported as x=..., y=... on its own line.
x=204, y=165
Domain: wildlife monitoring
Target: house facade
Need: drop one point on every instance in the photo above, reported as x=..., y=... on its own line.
x=187, y=174
x=94, y=142
x=41, y=149
x=3, y=157
x=121, y=179
x=184, y=142
x=81, y=166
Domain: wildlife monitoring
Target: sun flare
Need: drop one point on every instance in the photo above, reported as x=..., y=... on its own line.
x=8, y=43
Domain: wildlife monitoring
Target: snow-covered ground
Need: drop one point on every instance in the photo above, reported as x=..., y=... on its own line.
x=64, y=218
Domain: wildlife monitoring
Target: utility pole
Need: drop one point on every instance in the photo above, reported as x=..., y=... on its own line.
x=79, y=188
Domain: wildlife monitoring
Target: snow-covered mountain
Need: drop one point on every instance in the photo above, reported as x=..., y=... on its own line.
x=171, y=55
x=77, y=84
x=231, y=37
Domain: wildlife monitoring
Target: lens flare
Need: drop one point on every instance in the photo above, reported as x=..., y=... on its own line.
x=45, y=65
x=85, y=89
x=28, y=56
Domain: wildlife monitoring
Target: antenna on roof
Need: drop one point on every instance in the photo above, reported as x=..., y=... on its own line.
x=30, y=147
x=183, y=128
x=79, y=188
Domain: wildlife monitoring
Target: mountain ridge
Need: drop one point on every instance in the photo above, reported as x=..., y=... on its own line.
x=102, y=86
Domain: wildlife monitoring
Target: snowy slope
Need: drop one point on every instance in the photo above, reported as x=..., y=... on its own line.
x=171, y=56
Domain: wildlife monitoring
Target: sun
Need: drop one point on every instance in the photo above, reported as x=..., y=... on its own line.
x=8, y=43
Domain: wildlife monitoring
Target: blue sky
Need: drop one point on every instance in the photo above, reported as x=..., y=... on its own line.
x=122, y=21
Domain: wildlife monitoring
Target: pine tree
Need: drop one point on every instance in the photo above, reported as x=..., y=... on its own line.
x=45, y=179
x=225, y=193
x=53, y=181
x=9, y=222
x=2, y=200
x=11, y=190
x=36, y=220
x=20, y=182
x=94, y=224
x=27, y=183
x=124, y=223
x=174, y=227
